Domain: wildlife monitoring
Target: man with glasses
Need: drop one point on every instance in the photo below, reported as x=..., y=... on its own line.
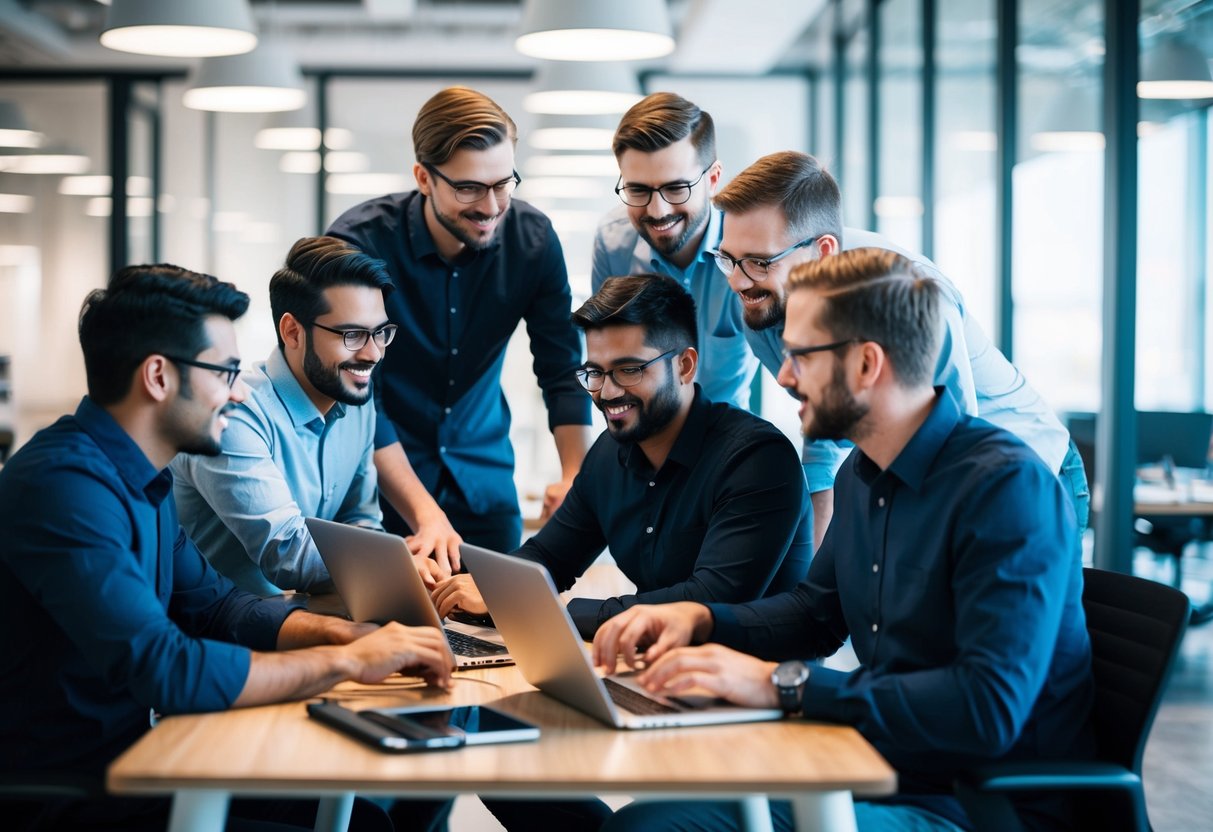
x=668, y=171
x=301, y=443
x=696, y=501
x=786, y=209
x=468, y=264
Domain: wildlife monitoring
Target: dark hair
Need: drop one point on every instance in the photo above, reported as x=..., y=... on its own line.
x=458, y=117
x=147, y=310
x=878, y=295
x=661, y=119
x=653, y=301
x=797, y=183
x=314, y=264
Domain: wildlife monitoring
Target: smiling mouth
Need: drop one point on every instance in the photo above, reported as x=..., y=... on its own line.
x=361, y=372
x=663, y=224
x=754, y=297
x=616, y=412
x=481, y=221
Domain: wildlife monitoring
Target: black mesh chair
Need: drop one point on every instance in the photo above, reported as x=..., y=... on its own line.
x=1136, y=627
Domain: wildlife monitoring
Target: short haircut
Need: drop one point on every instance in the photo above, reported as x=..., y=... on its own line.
x=661, y=119
x=314, y=264
x=878, y=295
x=797, y=183
x=654, y=301
x=148, y=310
x=458, y=118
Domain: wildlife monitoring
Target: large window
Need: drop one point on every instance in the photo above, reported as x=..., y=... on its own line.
x=899, y=205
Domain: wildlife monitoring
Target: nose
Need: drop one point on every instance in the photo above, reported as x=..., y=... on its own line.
x=370, y=352
x=609, y=379
x=238, y=391
x=657, y=206
x=489, y=203
x=739, y=281
x=786, y=377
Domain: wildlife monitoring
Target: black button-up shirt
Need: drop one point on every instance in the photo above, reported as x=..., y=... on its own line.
x=724, y=519
x=438, y=389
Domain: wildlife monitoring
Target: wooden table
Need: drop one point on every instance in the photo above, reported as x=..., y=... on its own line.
x=203, y=760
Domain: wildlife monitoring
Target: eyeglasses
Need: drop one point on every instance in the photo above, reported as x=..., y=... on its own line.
x=472, y=192
x=755, y=268
x=592, y=378
x=232, y=371
x=674, y=193
x=792, y=353
x=355, y=339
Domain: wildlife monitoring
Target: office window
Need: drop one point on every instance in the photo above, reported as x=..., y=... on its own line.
x=899, y=205
x=855, y=170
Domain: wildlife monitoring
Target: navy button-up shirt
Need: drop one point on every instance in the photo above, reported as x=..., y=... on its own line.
x=955, y=575
x=439, y=384
x=724, y=519
x=109, y=609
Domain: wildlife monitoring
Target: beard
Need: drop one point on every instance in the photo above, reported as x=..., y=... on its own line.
x=760, y=319
x=669, y=246
x=838, y=416
x=327, y=379
x=451, y=224
x=188, y=437
x=651, y=418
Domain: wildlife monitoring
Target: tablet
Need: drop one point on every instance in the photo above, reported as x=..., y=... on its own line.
x=383, y=732
x=475, y=724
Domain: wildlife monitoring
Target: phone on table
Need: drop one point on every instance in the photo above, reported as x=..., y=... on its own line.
x=477, y=724
x=404, y=730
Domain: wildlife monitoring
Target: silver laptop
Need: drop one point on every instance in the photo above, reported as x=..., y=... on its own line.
x=551, y=655
x=377, y=580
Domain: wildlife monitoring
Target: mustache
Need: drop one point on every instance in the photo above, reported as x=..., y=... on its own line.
x=622, y=400
x=660, y=220
x=358, y=365
x=478, y=217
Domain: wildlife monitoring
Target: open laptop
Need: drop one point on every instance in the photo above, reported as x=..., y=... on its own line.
x=549, y=651
x=377, y=580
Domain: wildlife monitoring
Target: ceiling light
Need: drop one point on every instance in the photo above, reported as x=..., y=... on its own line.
x=16, y=204
x=583, y=89
x=296, y=130
x=1174, y=69
x=50, y=160
x=1070, y=123
x=265, y=80
x=14, y=132
x=99, y=185
x=897, y=207
x=572, y=165
x=180, y=28
x=572, y=133
x=620, y=30
x=103, y=206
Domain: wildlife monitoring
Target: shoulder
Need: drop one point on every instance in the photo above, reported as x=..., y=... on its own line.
x=63, y=461
x=732, y=430
x=383, y=214
x=527, y=231
x=979, y=456
x=615, y=232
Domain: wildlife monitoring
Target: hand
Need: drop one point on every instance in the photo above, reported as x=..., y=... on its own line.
x=430, y=570
x=733, y=676
x=416, y=651
x=458, y=592
x=553, y=496
x=436, y=537
x=643, y=633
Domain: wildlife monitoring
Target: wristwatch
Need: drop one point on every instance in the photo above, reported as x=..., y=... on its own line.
x=789, y=679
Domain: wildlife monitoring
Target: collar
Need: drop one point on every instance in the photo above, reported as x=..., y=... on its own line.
x=711, y=239
x=687, y=447
x=299, y=407
x=128, y=459
x=422, y=241
x=914, y=462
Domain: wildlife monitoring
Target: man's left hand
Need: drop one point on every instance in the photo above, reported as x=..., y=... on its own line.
x=553, y=496
x=437, y=538
x=736, y=677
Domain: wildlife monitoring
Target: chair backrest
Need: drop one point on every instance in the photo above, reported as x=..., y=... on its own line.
x=1136, y=627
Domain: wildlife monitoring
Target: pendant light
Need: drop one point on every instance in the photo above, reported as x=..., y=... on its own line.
x=595, y=30
x=179, y=28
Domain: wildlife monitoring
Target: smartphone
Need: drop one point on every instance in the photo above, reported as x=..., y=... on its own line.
x=476, y=724
x=384, y=732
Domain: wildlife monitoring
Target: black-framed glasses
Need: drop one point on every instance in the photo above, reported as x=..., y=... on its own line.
x=355, y=339
x=756, y=269
x=792, y=353
x=674, y=193
x=469, y=192
x=232, y=371
x=592, y=378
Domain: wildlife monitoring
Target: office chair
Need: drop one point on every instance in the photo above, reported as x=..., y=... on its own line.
x=1136, y=627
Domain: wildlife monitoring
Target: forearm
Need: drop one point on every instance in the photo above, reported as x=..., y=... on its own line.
x=279, y=677
x=572, y=442
x=305, y=629
x=823, y=511
x=400, y=485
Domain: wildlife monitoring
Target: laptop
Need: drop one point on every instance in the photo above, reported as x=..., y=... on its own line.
x=549, y=651
x=377, y=580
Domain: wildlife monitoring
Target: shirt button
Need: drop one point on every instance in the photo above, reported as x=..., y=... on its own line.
x=455, y=351
x=649, y=530
x=451, y=382
x=875, y=567
x=880, y=502
x=452, y=310
x=875, y=627
x=442, y=449
x=455, y=274
x=446, y=410
x=652, y=484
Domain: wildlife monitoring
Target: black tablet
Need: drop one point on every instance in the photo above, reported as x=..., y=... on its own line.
x=476, y=724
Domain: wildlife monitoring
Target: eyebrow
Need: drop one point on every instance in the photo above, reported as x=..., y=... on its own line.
x=353, y=326
x=625, y=360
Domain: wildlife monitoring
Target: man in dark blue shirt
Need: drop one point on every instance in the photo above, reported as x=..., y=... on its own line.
x=120, y=614
x=950, y=564
x=697, y=501
x=468, y=264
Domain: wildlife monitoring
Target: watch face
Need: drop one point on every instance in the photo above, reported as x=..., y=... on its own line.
x=790, y=674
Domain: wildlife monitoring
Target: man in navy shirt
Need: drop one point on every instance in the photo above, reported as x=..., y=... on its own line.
x=698, y=501
x=468, y=264
x=950, y=564
x=121, y=617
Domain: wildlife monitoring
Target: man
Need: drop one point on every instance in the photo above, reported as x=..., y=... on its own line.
x=786, y=209
x=118, y=613
x=668, y=171
x=301, y=443
x=696, y=501
x=950, y=564
x=468, y=266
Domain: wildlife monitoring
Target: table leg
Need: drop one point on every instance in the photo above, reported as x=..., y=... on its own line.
x=199, y=810
x=823, y=812
x=756, y=814
x=334, y=813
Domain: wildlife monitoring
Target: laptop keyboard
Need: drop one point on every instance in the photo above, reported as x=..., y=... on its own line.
x=464, y=645
x=634, y=702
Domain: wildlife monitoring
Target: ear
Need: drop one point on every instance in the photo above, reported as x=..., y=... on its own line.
x=870, y=364
x=688, y=363
x=828, y=244
x=422, y=177
x=157, y=378
x=292, y=332
x=715, y=175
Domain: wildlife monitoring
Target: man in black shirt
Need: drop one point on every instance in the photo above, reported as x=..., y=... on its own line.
x=696, y=500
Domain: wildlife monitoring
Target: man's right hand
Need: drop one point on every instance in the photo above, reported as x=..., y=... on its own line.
x=458, y=593
x=643, y=633
x=414, y=651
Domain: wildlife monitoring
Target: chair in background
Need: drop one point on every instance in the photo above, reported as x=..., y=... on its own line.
x=1136, y=627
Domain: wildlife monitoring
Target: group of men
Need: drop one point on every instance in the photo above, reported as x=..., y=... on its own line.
x=151, y=536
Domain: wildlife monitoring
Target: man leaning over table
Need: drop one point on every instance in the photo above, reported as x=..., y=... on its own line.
x=113, y=615
x=950, y=564
x=696, y=500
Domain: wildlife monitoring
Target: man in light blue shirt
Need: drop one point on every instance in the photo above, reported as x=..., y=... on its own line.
x=301, y=444
x=785, y=209
x=666, y=149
